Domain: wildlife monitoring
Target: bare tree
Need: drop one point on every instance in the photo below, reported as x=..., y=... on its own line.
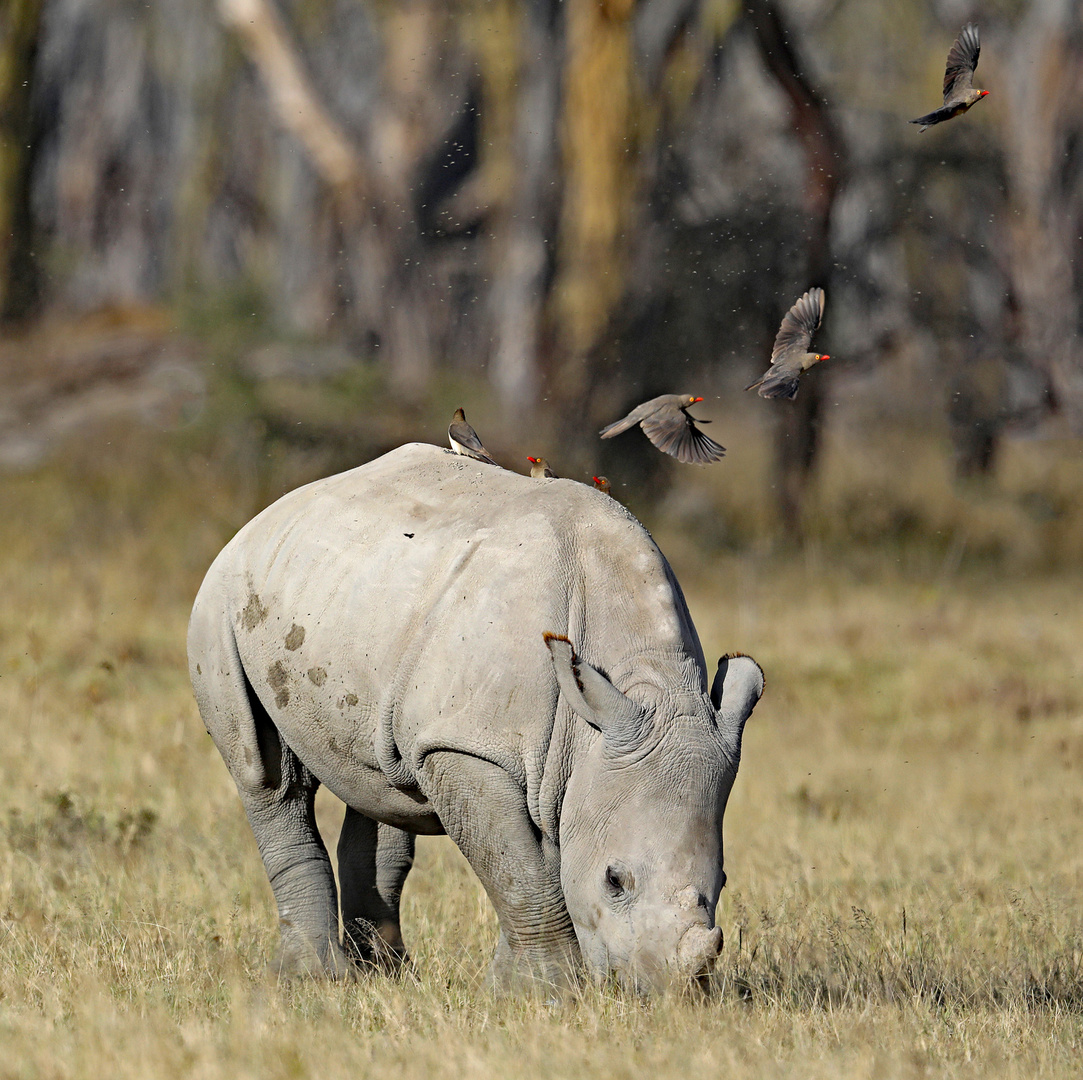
x=797, y=434
x=19, y=28
x=1045, y=133
x=371, y=184
x=523, y=223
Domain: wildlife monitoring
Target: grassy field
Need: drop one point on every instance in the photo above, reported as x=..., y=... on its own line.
x=904, y=842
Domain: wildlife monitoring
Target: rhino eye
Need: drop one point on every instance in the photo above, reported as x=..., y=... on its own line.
x=618, y=881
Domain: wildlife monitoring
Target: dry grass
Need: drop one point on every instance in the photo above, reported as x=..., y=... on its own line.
x=904, y=847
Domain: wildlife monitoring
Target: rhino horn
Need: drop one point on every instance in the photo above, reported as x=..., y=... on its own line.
x=738, y=685
x=594, y=698
x=698, y=950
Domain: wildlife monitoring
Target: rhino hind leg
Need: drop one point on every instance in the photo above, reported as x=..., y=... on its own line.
x=373, y=861
x=283, y=819
x=520, y=870
x=278, y=795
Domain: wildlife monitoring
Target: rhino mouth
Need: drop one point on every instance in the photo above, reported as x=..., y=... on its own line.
x=689, y=966
x=698, y=951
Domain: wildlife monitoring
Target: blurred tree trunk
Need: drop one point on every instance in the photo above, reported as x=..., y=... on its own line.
x=20, y=21
x=600, y=189
x=798, y=430
x=977, y=398
x=521, y=72
x=1045, y=166
x=371, y=186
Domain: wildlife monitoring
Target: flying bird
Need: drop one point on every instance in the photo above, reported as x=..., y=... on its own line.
x=539, y=467
x=464, y=439
x=665, y=421
x=790, y=357
x=959, y=95
x=602, y=484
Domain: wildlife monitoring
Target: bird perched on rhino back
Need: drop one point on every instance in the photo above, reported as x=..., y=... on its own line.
x=790, y=357
x=464, y=439
x=665, y=421
x=602, y=484
x=539, y=468
x=959, y=94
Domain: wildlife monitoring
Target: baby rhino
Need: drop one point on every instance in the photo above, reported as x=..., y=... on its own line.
x=453, y=648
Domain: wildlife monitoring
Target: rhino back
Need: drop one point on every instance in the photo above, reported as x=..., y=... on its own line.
x=400, y=607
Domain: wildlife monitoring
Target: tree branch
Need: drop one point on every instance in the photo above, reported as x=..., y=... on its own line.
x=293, y=99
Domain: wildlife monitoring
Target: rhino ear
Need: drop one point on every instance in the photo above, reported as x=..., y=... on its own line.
x=738, y=684
x=593, y=697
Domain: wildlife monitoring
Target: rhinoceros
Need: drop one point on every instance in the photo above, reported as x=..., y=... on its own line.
x=454, y=648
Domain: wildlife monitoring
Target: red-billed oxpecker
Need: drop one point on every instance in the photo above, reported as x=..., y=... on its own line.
x=790, y=357
x=539, y=468
x=959, y=95
x=665, y=421
x=464, y=439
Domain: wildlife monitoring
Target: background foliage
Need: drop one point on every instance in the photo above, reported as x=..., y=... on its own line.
x=246, y=243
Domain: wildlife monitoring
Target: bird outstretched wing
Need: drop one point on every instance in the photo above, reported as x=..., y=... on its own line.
x=962, y=60
x=674, y=432
x=798, y=326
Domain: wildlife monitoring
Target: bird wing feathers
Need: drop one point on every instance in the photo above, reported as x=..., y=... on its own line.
x=800, y=323
x=467, y=438
x=779, y=382
x=675, y=433
x=962, y=60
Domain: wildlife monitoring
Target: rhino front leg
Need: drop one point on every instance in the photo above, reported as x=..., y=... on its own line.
x=373, y=861
x=483, y=810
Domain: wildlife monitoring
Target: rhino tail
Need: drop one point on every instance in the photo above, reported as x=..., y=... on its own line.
x=232, y=711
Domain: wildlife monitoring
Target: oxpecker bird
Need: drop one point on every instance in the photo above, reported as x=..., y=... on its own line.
x=790, y=357
x=539, y=467
x=959, y=95
x=665, y=421
x=464, y=439
x=602, y=484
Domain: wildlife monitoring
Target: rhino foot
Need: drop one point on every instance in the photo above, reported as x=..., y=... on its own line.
x=373, y=947
x=297, y=961
x=551, y=973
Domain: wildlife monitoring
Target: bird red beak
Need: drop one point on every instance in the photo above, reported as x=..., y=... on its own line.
x=825, y=357
x=985, y=93
x=532, y=460
x=595, y=479
x=695, y=399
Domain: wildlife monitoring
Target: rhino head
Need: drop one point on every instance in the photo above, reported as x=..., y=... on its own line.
x=641, y=862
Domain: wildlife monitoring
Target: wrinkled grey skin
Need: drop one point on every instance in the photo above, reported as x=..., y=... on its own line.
x=384, y=632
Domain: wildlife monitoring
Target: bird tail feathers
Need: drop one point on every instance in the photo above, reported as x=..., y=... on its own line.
x=618, y=427
x=781, y=388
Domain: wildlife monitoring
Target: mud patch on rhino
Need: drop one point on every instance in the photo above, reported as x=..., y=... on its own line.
x=254, y=612
x=317, y=675
x=349, y=699
x=278, y=677
x=295, y=638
